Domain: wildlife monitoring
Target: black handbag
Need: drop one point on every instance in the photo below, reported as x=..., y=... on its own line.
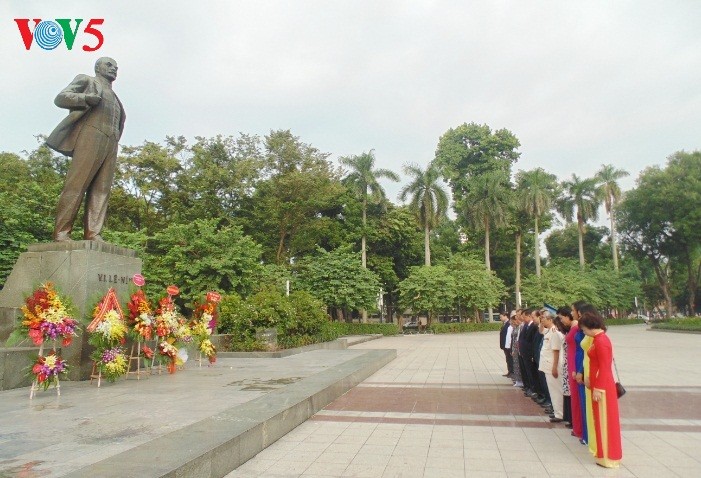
x=620, y=391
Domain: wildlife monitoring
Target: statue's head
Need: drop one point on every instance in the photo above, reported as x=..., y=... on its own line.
x=106, y=67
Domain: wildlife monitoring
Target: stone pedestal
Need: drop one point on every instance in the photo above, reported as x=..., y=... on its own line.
x=82, y=271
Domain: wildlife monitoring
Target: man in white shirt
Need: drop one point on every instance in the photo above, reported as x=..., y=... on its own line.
x=550, y=363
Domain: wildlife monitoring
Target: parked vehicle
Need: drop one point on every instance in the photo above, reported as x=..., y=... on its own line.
x=495, y=317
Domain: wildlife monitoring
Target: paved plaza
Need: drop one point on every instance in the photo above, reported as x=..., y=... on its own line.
x=198, y=422
x=442, y=409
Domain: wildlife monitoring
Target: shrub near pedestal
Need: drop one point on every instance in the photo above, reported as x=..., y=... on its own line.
x=298, y=318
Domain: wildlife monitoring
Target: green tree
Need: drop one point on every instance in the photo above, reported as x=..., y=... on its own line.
x=429, y=289
x=338, y=279
x=564, y=243
x=682, y=190
x=363, y=179
x=487, y=205
x=582, y=196
x=608, y=177
x=517, y=226
x=29, y=189
x=396, y=242
x=661, y=222
x=201, y=256
x=645, y=229
x=145, y=192
x=220, y=174
x=560, y=283
x=616, y=291
x=470, y=150
x=428, y=200
x=293, y=210
x=475, y=288
x=536, y=192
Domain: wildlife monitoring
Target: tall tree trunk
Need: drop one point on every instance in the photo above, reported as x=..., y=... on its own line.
x=663, y=281
x=427, y=246
x=487, y=262
x=580, y=229
x=691, y=283
x=363, y=244
x=614, y=247
x=537, y=248
x=518, y=270
x=667, y=300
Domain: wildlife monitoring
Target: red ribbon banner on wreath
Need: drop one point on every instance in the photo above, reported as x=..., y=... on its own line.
x=109, y=302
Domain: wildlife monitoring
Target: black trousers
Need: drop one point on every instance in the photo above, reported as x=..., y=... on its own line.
x=509, y=361
x=567, y=408
x=527, y=373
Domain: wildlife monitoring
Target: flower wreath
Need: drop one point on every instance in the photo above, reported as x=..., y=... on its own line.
x=108, y=332
x=47, y=368
x=46, y=317
x=203, y=322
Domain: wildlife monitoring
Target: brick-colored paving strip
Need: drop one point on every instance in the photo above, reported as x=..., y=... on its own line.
x=443, y=409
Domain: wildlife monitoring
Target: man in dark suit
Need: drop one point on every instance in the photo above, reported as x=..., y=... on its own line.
x=90, y=134
x=506, y=347
x=525, y=347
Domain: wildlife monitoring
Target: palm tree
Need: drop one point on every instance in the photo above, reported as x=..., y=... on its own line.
x=608, y=177
x=584, y=196
x=536, y=190
x=363, y=178
x=429, y=200
x=487, y=204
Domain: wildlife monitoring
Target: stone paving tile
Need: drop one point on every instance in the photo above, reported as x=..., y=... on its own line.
x=364, y=471
x=444, y=410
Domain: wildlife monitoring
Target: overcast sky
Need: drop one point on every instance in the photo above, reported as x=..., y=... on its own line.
x=580, y=83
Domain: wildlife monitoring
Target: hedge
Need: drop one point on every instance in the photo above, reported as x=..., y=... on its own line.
x=685, y=324
x=459, y=327
x=624, y=321
x=347, y=328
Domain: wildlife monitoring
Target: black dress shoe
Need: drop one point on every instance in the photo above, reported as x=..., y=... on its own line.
x=552, y=415
x=555, y=420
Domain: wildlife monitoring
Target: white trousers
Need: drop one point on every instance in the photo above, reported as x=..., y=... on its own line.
x=555, y=390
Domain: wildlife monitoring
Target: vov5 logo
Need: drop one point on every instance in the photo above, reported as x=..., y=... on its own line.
x=49, y=34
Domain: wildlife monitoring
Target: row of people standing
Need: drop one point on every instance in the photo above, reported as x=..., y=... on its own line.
x=562, y=359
